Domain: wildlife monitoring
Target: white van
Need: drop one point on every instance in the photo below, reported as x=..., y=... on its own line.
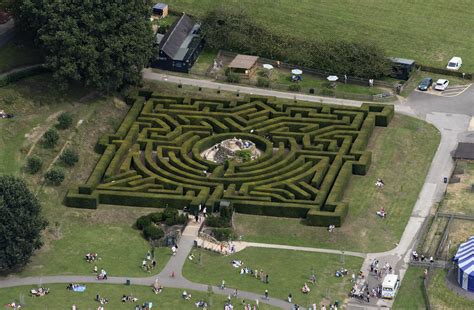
x=454, y=64
x=390, y=286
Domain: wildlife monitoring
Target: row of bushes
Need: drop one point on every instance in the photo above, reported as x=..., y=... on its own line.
x=19, y=74
x=223, y=220
x=150, y=224
x=462, y=75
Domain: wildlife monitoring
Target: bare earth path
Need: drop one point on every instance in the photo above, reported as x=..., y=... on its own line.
x=451, y=116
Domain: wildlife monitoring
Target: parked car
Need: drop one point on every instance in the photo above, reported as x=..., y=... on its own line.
x=425, y=84
x=454, y=64
x=441, y=84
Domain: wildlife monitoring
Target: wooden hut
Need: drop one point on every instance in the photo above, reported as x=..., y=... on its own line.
x=244, y=65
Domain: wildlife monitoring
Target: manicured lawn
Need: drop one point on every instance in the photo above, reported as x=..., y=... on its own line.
x=429, y=32
x=401, y=156
x=411, y=295
x=18, y=52
x=204, y=62
x=441, y=297
x=287, y=270
x=60, y=298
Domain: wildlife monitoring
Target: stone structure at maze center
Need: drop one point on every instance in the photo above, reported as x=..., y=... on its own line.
x=308, y=153
x=229, y=150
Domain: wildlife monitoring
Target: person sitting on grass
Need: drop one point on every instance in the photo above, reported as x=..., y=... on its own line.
x=186, y=296
x=381, y=212
x=305, y=289
x=157, y=288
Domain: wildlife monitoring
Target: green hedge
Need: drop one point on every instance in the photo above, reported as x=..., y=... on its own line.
x=76, y=200
x=467, y=76
x=19, y=74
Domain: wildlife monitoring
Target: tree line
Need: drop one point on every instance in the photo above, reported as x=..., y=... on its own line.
x=235, y=30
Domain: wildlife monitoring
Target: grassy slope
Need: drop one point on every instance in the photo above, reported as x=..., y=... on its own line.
x=441, y=297
x=402, y=154
x=60, y=298
x=287, y=270
x=410, y=295
x=429, y=32
x=72, y=232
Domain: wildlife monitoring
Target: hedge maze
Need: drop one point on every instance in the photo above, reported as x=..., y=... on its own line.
x=309, y=152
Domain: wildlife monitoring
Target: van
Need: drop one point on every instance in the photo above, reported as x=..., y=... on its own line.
x=390, y=286
x=454, y=64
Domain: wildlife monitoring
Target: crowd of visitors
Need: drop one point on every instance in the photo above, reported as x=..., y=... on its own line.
x=244, y=270
x=149, y=262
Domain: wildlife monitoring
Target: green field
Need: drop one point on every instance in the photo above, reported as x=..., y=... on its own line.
x=287, y=272
x=60, y=298
x=411, y=295
x=441, y=297
x=431, y=32
x=401, y=156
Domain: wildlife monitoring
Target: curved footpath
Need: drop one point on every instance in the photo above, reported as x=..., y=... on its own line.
x=450, y=115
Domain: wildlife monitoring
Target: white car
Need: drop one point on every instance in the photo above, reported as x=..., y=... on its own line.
x=454, y=64
x=441, y=84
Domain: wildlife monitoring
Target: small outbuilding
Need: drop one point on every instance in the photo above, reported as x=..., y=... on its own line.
x=244, y=65
x=160, y=10
x=464, y=151
x=464, y=265
x=402, y=68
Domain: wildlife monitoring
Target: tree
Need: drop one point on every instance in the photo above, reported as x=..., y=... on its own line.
x=50, y=138
x=64, y=120
x=55, y=176
x=21, y=223
x=69, y=157
x=33, y=164
x=103, y=44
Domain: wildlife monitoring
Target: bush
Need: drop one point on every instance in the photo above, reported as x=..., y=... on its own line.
x=263, y=82
x=143, y=221
x=55, y=176
x=33, y=164
x=64, y=121
x=233, y=77
x=223, y=234
x=153, y=232
x=50, y=138
x=294, y=87
x=214, y=221
x=156, y=217
x=69, y=157
x=226, y=212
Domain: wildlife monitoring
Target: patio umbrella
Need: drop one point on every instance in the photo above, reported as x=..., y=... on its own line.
x=267, y=66
x=332, y=78
x=296, y=71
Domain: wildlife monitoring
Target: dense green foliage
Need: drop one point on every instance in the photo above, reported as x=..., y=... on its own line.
x=153, y=232
x=103, y=44
x=50, y=138
x=223, y=234
x=69, y=157
x=20, y=223
x=64, y=120
x=33, y=164
x=232, y=29
x=54, y=176
x=149, y=224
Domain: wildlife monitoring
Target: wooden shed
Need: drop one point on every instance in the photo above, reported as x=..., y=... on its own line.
x=160, y=10
x=244, y=65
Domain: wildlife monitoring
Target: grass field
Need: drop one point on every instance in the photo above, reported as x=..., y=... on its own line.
x=36, y=103
x=401, y=156
x=441, y=297
x=431, y=32
x=411, y=295
x=459, y=198
x=60, y=298
x=287, y=272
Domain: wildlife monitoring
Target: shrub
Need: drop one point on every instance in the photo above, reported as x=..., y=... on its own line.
x=33, y=164
x=156, y=217
x=50, y=138
x=214, y=221
x=143, y=221
x=233, y=77
x=223, y=234
x=69, y=157
x=226, y=212
x=153, y=232
x=55, y=176
x=263, y=82
x=64, y=120
x=294, y=87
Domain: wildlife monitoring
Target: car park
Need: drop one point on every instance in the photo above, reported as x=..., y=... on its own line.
x=454, y=64
x=425, y=84
x=441, y=84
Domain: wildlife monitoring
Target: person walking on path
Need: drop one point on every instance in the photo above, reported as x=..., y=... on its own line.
x=290, y=297
x=266, y=294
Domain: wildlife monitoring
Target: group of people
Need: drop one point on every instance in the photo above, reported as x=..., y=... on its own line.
x=129, y=298
x=149, y=262
x=102, y=275
x=229, y=249
x=378, y=270
x=13, y=305
x=417, y=257
x=305, y=289
x=39, y=292
x=258, y=274
x=157, y=287
x=341, y=272
x=185, y=295
x=92, y=257
x=101, y=300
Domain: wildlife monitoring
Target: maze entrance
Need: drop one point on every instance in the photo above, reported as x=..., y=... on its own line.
x=307, y=153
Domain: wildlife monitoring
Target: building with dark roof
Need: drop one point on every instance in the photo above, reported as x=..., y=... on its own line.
x=464, y=151
x=180, y=46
